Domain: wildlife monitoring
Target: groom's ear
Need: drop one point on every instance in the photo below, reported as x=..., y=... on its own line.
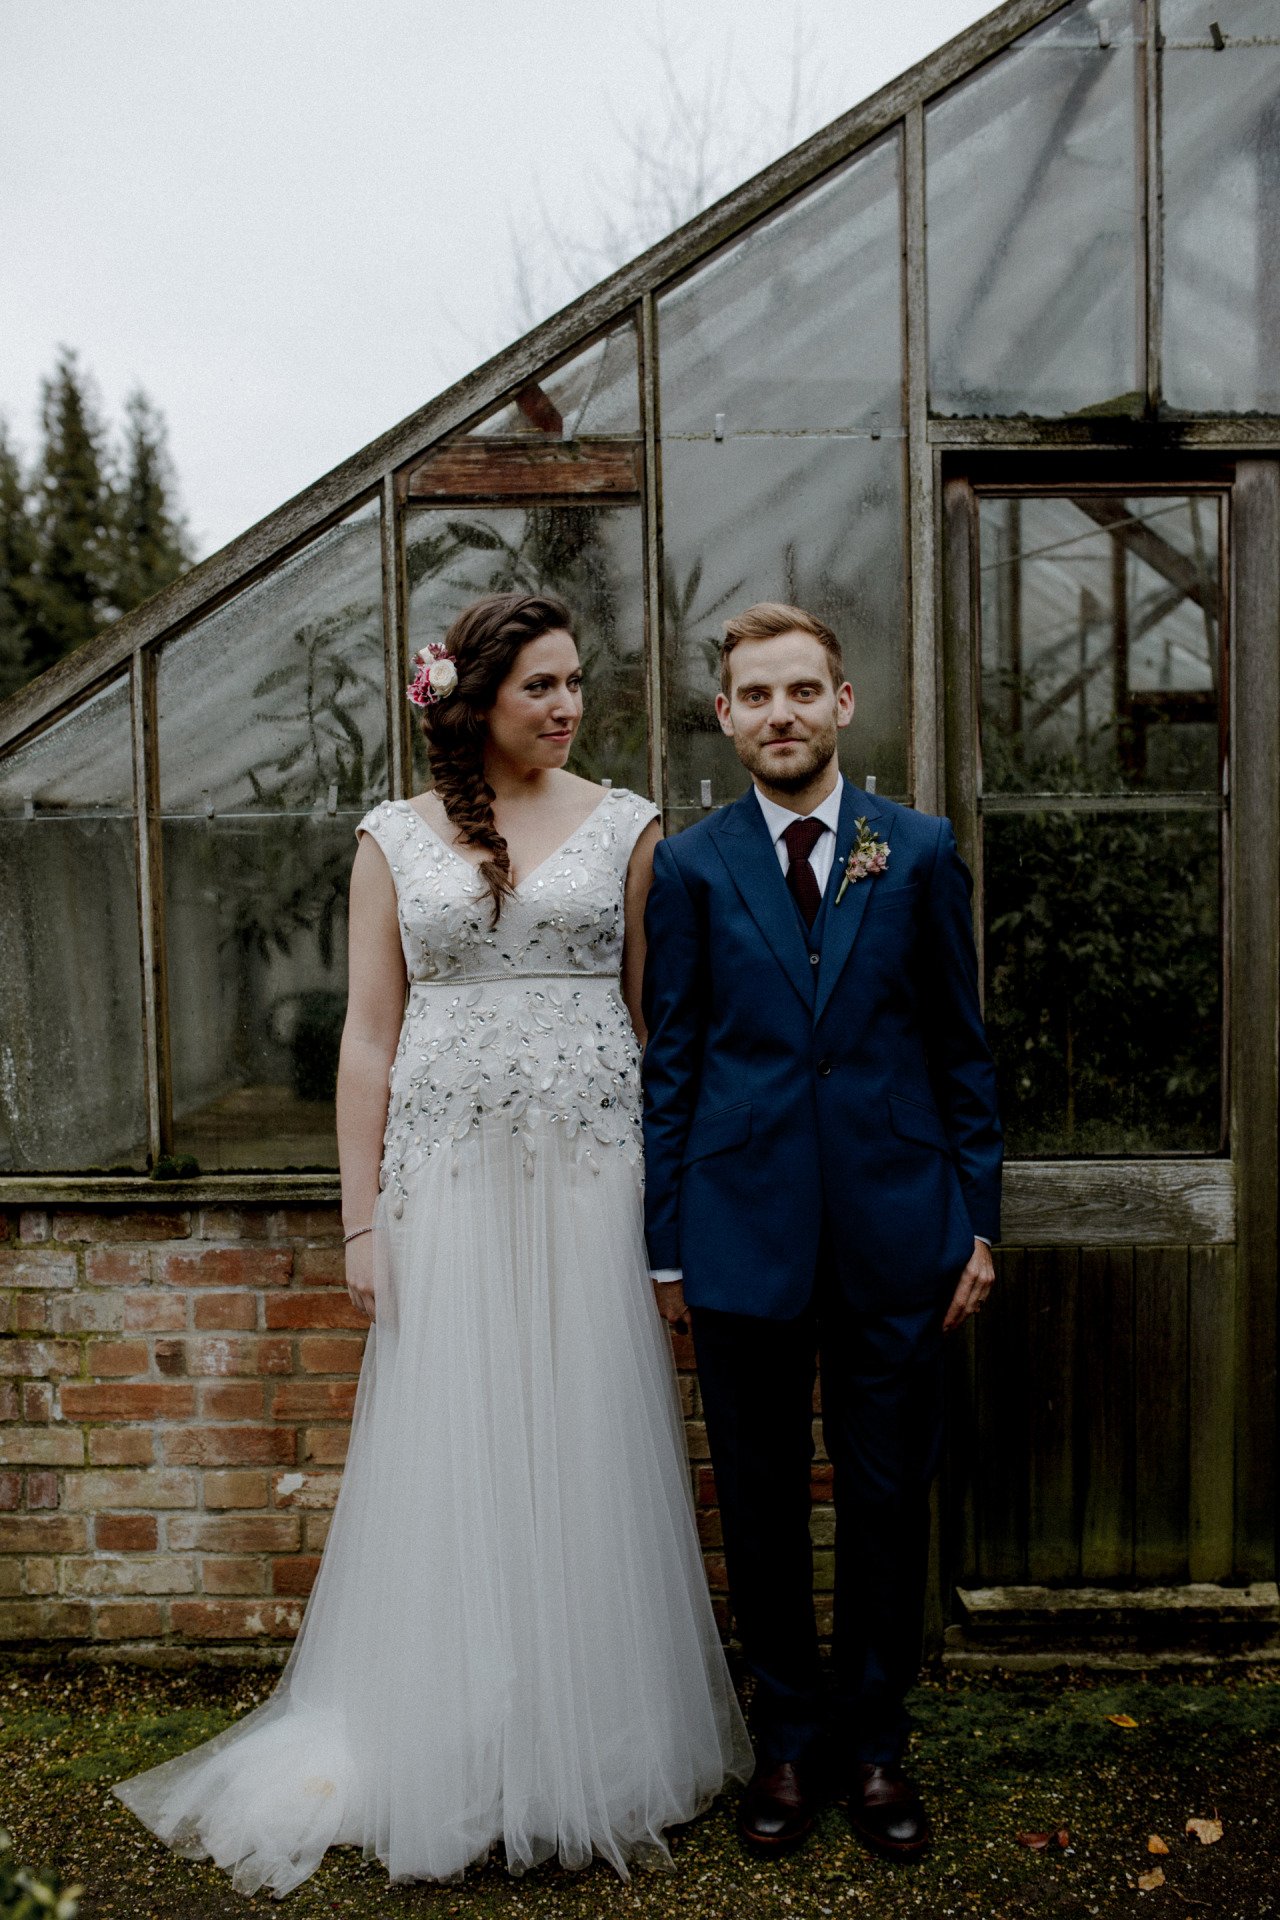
x=724, y=714
x=845, y=704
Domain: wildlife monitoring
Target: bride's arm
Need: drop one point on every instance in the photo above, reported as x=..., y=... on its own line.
x=376, y=984
x=639, y=880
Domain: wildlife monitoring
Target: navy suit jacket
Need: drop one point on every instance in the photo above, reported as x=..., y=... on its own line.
x=784, y=1093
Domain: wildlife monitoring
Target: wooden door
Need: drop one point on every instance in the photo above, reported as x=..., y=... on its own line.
x=1111, y=764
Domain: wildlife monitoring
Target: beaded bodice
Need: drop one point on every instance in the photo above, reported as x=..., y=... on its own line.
x=519, y=1028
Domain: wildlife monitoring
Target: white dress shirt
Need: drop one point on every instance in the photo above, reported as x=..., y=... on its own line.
x=822, y=859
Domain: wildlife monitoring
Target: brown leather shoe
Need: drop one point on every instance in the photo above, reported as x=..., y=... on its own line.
x=777, y=1809
x=886, y=1811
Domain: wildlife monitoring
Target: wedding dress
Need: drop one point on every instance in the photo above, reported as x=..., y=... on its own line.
x=509, y=1646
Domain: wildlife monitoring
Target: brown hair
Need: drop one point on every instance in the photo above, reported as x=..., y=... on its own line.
x=766, y=621
x=483, y=643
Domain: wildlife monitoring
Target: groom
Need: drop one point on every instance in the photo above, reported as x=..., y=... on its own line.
x=822, y=1158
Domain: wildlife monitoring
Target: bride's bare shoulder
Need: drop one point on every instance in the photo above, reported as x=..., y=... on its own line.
x=430, y=808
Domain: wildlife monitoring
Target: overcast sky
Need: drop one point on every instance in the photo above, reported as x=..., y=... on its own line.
x=293, y=221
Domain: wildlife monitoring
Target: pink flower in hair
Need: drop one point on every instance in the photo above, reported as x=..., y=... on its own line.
x=435, y=675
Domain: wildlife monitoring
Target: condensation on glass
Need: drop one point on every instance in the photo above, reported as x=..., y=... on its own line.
x=272, y=743
x=1033, y=198
x=1102, y=747
x=593, y=558
x=72, y=1080
x=783, y=463
x=595, y=392
x=1221, y=200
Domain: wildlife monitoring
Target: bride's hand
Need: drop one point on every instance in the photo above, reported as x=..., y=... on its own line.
x=669, y=1295
x=360, y=1272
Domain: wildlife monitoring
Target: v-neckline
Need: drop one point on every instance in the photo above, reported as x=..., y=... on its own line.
x=516, y=885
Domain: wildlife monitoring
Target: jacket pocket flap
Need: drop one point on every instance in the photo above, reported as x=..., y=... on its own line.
x=713, y=1132
x=911, y=1121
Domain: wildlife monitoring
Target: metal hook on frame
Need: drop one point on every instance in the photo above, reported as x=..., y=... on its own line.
x=1217, y=36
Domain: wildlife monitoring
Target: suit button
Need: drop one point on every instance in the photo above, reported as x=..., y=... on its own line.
x=814, y=959
x=824, y=1067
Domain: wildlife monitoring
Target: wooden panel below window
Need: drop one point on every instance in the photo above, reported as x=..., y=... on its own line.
x=482, y=469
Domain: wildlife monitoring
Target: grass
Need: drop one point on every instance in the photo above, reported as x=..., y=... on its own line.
x=996, y=1755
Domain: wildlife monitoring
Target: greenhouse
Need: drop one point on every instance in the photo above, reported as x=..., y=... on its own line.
x=987, y=375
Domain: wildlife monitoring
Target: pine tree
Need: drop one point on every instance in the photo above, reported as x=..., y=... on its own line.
x=151, y=543
x=74, y=511
x=19, y=549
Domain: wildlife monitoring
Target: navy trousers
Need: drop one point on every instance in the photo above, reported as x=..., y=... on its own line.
x=881, y=1377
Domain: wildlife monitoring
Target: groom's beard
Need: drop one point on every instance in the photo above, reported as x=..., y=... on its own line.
x=798, y=769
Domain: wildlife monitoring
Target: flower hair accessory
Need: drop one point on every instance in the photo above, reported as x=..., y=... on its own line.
x=867, y=856
x=435, y=675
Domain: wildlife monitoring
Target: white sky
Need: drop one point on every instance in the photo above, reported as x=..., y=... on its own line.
x=292, y=220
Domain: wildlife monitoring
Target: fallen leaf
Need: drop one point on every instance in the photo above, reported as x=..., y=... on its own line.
x=1153, y=1879
x=1156, y=1845
x=1122, y=1720
x=1036, y=1841
x=1205, y=1831
x=1063, y=1837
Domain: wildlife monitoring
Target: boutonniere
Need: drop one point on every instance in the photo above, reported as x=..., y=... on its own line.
x=867, y=855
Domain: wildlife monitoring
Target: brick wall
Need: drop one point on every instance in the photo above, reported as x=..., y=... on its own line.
x=175, y=1389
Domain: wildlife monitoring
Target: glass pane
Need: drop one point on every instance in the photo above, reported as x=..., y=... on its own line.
x=598, y=391
x=1101, y=644
x=72, y=1084
x=797, y=324
x=1221, y=126
x=1103, y=977
x=813, y=522
x=1032, y=190
x=593, y=557
x=272, y=745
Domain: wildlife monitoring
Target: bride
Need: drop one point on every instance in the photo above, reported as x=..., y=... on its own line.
x=510, y=1644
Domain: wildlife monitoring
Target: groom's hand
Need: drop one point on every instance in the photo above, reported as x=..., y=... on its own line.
x=974, y=1285
x=669, y=1295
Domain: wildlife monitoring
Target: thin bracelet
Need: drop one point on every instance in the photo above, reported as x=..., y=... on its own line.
x=347, y=1238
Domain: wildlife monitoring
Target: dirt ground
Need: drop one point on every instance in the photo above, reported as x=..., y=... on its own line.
x=997, y=1755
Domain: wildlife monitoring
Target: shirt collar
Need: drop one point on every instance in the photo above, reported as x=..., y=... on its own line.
x=778, y=819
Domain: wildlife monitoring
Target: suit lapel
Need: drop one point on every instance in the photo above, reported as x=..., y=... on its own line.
x=840, y=928
x=744, y=844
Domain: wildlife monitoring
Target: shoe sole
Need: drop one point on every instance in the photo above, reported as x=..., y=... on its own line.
x=891, y=1849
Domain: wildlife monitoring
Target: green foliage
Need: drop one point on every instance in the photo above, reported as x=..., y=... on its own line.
x=32, y=1896
x=91, y=533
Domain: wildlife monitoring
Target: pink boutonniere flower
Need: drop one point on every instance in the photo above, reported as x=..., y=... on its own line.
x=867, y=856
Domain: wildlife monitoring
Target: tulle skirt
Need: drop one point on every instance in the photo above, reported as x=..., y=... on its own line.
x=510, y=1645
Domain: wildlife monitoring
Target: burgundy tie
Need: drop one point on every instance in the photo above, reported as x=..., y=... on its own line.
x=801, y=837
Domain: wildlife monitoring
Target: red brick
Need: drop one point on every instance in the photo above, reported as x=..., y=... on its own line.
x=105, y=1227
x=297, y=1574
x=231, y=1312
x=131, y=1400
x=710, y=1532
x=129, y=1619
x=226, y=1267
x=315, y=1531
x=235, y=1619
x=231, y=1574
x=309, y=1224
x=231, y=1354
x=335, y=1309
x=44, y=1533
x=314, y=1399
x=233, y=1400
x=10, y=1491
x=37, y=1403
x=243, y=1488
x=33, y=1226
x=321, y=1353
x=116, y=1358
x=717, y=1576
x=117, y=1266
x=229, y=1446
x=821, y=1482
x=234, y=1533
x=8, y=1400
x=40, y=1267
x=15, y=1580
x=326, y=1446
x=39, y=1357
x=126, y=1533
x=314, y=1490
x=83, y=1311
x=171, y=1357
x=121, y=1447
x=42, y=1489
x=233, y=1223
x=25, y=1620
x=682, y=1349
x=154, y=1312
x=101, y=1576
x=41, y=1447
x=33, y=1312
x=320, y=1266
x=695, y=1434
